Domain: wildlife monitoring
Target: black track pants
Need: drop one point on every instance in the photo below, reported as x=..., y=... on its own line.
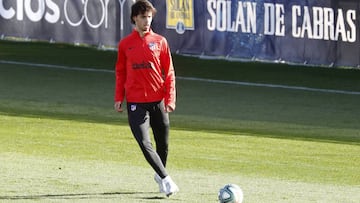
x=141, y=117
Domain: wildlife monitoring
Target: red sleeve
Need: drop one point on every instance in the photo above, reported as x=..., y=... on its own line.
x=169, y=75
x=120, y=74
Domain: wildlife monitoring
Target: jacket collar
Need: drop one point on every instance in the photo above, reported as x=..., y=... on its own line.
x=135, y=32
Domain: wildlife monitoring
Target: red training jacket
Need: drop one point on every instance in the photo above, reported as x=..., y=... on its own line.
x=144, y=70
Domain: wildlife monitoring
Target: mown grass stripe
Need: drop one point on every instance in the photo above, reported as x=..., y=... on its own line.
x=229, y=82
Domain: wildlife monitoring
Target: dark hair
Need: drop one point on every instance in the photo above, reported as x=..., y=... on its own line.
x=140, y=7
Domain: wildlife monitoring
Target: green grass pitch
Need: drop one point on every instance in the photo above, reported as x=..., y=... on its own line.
x=61, y=141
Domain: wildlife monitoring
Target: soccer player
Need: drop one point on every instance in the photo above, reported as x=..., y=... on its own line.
x=145, y=77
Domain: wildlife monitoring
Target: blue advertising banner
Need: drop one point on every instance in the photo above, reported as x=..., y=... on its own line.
x=94, y=22
x=316, y=32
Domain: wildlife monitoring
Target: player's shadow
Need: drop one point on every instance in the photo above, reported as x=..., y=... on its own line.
x=106, y=195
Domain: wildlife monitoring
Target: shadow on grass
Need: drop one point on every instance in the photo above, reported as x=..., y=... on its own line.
x=121, y=119
x=83, y=117
x=106, y=195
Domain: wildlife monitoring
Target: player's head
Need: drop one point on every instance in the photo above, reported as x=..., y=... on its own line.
x=141, y=7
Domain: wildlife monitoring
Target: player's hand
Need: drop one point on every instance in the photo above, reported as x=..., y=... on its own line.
x=118, y=106
x=169, y=109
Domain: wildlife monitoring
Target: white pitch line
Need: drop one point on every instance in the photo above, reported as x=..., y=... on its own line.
x=56, y=66
x=270, y=85
x=229, y=82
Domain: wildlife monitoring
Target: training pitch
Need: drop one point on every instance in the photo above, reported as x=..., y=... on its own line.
x=282, y=133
